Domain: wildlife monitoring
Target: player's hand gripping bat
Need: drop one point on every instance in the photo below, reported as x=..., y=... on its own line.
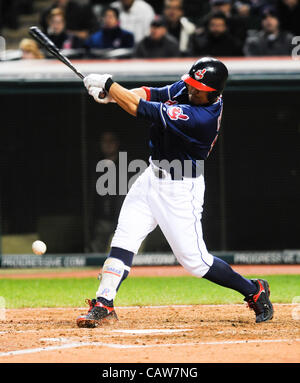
x=39, y=36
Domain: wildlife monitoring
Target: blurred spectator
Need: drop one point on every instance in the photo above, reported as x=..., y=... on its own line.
x=135, y=16
x=215, y=40
x=106, y=208
x=57, y=31
x=159, y=43
x=236, y=24
x=103, y=3
x=270, y=40
x=178, y=25
x=247, y=14
x=80, y=19
x=289, y=16
x=110, y=35
x=98, y=6
x=157, y=6
x=195, y=10
x=243, y=8
x=30, y=49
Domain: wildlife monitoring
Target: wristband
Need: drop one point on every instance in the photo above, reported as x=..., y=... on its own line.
x=108, y=84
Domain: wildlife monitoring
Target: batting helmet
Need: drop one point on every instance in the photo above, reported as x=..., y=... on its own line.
x=207, y=74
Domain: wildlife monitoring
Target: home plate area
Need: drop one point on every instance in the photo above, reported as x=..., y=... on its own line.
x=197, y=333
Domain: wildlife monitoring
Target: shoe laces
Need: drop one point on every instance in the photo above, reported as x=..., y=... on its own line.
x=91, y=303
x=253, y=305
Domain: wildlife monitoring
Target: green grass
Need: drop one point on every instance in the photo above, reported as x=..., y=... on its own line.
x=136, y=291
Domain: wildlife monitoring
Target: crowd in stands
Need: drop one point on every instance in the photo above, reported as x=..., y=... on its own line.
x=168, y=28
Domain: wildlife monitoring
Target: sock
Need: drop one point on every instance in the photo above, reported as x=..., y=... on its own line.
x=222, y=274
x=126, y=256
x=115, y=270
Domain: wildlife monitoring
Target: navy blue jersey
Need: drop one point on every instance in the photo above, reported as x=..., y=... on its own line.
x=179, y=129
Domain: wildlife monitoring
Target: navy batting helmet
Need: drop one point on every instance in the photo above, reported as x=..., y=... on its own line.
x=207, y=74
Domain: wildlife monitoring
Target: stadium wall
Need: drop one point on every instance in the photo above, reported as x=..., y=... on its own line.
x=49, y=127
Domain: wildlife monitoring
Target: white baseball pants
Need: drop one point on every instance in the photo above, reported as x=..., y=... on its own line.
x=176, y=206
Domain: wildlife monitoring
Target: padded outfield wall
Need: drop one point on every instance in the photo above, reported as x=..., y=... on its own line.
x=50, y=129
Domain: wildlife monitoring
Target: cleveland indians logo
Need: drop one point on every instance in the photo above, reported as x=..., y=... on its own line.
x=200, y=74
x=176, y=113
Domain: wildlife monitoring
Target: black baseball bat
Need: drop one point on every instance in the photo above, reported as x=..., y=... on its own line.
x=44, y=40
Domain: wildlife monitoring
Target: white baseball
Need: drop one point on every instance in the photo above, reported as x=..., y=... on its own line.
x=39, y=247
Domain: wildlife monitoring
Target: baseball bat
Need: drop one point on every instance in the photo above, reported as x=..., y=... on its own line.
x=38, y=35
x=49, y=45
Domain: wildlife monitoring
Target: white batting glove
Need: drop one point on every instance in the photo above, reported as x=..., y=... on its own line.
x=96, y=80
x=95, y=92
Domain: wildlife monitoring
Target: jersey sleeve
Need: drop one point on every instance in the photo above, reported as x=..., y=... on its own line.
x=182, y=120
x=163, y=94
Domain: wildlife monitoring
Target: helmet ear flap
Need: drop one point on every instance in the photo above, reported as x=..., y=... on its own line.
x=212, y=96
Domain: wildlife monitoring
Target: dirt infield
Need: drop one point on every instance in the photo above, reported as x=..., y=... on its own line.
x=199, y=333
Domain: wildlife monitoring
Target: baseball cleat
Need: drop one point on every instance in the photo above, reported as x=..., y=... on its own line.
x=97, y=314
x=260, y=301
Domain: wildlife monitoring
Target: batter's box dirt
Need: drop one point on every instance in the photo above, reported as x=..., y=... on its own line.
x=199, y=333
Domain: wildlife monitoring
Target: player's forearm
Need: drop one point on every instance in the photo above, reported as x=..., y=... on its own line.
x=127, y=99
x=139, y=92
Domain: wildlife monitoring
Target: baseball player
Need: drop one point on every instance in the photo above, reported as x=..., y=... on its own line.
x=185, y=119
